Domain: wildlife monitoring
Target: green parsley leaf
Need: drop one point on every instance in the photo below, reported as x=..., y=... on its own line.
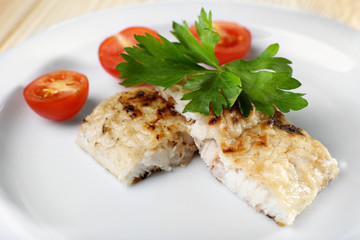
x=201, y=52
x=153, y=62
x=244, y=104
x=263, y=81
x=220, y=89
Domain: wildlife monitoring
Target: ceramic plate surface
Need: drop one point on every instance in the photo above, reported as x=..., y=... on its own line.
x=51, y=189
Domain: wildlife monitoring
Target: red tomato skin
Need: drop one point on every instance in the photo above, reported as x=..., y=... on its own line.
x=109, y=55
x=111, y=48
x=57, y=108
x=234, y=45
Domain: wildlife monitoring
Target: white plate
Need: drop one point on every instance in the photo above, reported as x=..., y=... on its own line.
x=50, y=189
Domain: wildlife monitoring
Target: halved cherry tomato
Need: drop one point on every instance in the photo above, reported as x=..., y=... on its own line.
x=111, y=48
x=234, y=41
x=57, y=96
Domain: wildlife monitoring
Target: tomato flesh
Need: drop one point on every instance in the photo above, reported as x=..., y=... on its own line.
x=57, y=96
x=234, y=43
x=111, y=48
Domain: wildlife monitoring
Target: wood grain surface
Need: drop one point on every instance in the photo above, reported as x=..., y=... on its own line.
x=20, y=19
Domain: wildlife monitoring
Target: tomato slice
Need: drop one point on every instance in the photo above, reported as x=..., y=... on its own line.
x=234, y=41
x=111, y=48
x=57, y=96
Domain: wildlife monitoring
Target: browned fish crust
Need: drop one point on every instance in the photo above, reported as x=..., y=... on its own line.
x=135, y=133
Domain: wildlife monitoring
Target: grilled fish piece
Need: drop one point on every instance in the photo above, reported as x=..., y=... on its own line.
x=277, y=168
x=135, y=133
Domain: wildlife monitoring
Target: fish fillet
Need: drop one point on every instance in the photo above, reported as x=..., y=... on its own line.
x=277, y=168
x=135, y=133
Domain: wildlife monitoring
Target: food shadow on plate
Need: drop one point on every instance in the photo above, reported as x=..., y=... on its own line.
x=12, y=105
x=15, y=105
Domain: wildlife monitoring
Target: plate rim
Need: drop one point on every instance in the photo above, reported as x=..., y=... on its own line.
x=30, y=40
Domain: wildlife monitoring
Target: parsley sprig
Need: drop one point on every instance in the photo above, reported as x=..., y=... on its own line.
x=263, y=81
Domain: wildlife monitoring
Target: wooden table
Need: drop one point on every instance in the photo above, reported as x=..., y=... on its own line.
x=20, y=19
